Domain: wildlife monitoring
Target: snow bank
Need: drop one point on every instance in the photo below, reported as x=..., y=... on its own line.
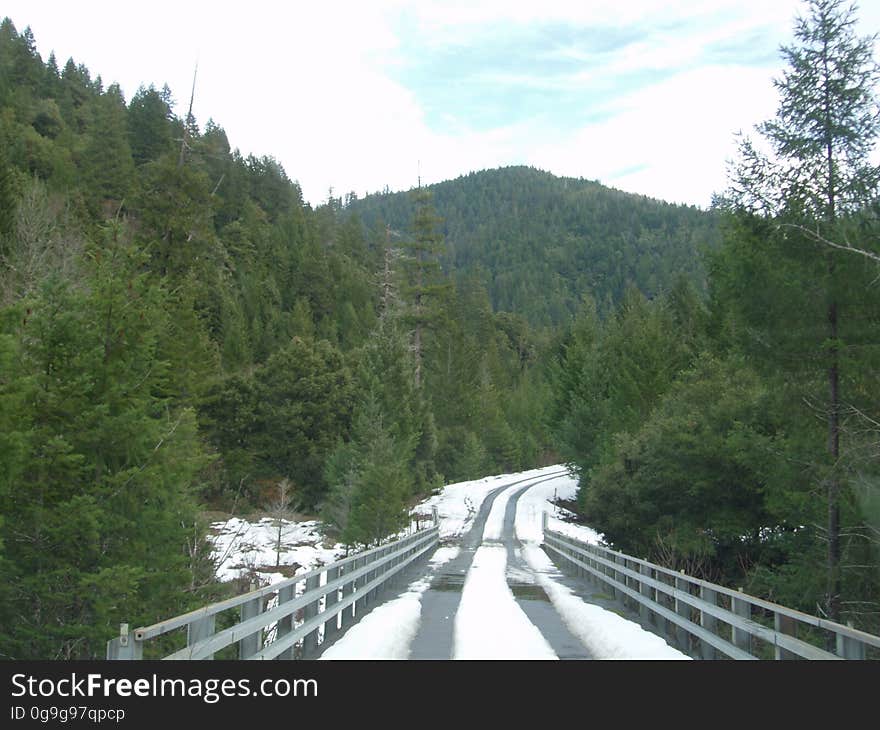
x=606, y=634
x=388, y=630
x=242, y=548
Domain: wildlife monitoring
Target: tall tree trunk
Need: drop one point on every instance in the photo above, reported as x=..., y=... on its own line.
x=834, y=582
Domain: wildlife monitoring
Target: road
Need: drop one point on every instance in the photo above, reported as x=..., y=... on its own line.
x=489, y=601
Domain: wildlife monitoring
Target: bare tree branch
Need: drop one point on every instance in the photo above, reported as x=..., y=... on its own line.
x=819, y=238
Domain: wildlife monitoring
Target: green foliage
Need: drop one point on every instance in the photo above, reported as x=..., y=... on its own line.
x=693, y=482
x=608, y=377
x=284, y=420
x=149, y=129
x=804, y=213
x=371, y=480
x=96, y=465
x=538, y=242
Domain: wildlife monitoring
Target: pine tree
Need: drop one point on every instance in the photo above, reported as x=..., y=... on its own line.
x=817, y=177
x=96, y=466
x=424, y=284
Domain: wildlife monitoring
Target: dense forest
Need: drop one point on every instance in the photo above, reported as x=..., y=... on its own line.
x=538, y=242
x=180, y=331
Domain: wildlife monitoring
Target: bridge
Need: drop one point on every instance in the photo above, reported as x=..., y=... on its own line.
x=495, y=594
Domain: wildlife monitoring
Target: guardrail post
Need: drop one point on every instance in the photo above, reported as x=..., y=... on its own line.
x=615, y=576
x=682, y=636
x=708, y=622
x=360, y=603
x=378, y=572
x=250, y=645
x=201, y=629
x=784, y=625
x=124, y=646
x=741, y=639
x=591, y=561
x=435, y=516
x=310, y=641
x=331, y=626
x=662, y=597
x=850, y=648
x=347, y=589
x=645, y=613
x=285, y=625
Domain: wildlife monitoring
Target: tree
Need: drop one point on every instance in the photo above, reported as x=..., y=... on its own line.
x=699, y=481
x=282, y=509
x=97, y=468
x=149, y=126
x=423, y=275
x=814, y=180
x=371, y=479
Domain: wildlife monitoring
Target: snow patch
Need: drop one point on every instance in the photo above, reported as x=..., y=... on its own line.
x=388, y=630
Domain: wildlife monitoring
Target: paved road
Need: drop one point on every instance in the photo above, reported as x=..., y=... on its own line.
x=435, y=638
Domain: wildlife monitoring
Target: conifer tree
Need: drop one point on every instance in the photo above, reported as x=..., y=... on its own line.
x=424, y=285
x=815, y=179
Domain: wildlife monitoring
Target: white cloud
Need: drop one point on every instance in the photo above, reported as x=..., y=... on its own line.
x=675, y=135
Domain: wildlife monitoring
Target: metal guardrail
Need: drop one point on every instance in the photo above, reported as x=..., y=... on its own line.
x=706, y=620
x=287, y=620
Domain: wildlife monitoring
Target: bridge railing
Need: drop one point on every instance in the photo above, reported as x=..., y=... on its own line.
x=703, y=619
x=286, y=620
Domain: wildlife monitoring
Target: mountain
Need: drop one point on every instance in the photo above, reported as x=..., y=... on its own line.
x=539, y=242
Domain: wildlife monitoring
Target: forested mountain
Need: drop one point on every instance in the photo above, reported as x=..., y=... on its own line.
x=538, y=242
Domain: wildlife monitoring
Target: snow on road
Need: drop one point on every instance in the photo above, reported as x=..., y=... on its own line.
x=489, y=617
x=457, y=504
x=606, y=634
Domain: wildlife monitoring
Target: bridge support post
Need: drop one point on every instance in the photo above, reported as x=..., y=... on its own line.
x=285, y=625
x=848, y=647
x=124, y=646
x=645, y=613
x=741, y=639
x=197, y=631
x=250, y=645
x=360, y=603
x=331, y=626
x=708, y=622
x=684, y=610
x=310, y=641
x=784, y=625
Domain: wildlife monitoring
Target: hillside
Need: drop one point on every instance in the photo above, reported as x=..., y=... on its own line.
x=539, y=242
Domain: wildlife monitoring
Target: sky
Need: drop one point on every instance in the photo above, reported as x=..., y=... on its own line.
x=363, y=95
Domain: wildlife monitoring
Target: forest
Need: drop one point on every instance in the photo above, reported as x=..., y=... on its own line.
x=181, y=332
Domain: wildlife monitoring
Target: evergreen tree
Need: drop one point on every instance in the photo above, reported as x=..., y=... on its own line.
x=423, y=287
x=106, y=161
x=817, y=178
x=149, y=128
x=96, y=469
x=371, y=479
